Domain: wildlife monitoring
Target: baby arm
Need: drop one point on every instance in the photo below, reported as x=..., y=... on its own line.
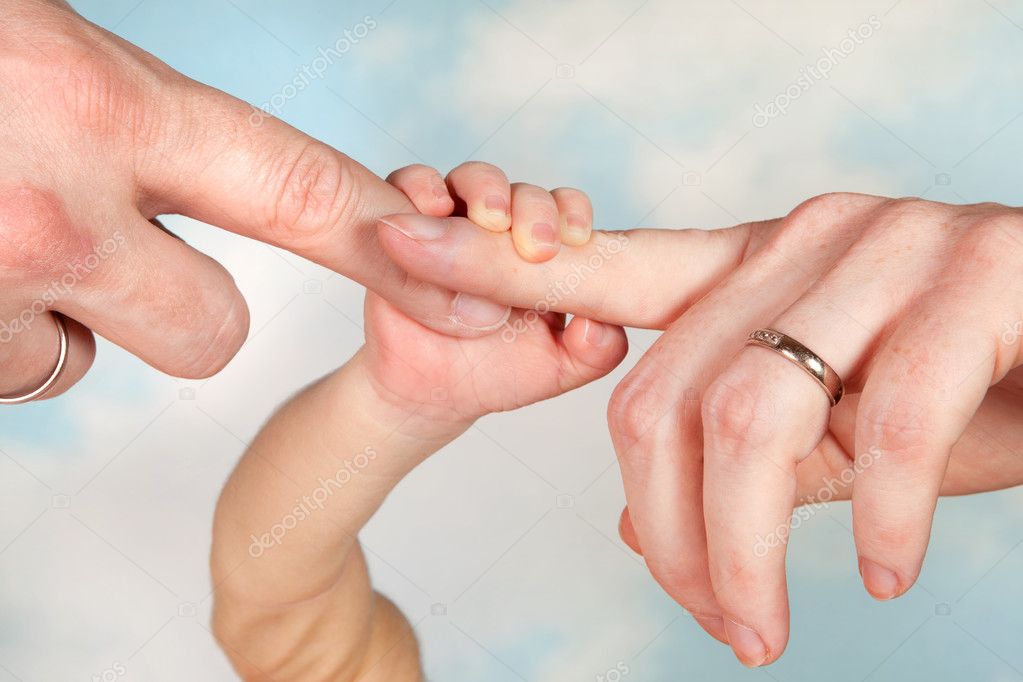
x=293, y=598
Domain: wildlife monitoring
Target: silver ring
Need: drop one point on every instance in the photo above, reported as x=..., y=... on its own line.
x=58, y=370
x=803, y=358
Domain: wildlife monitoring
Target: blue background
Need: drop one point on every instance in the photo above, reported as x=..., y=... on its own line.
x=503, y=550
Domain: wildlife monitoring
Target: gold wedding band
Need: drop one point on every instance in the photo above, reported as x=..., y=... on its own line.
x=802, y=357
x=58, y=370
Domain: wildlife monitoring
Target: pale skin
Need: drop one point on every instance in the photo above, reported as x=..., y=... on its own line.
x=918, y=305
x=910, y=301
x=982, y=459
x=304, y=609
x=100, y=138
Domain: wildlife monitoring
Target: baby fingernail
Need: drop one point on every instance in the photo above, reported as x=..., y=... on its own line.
x=593, y=332
x=479, y=313
x=748, y=646
x=880, y=582
x=418, y=227
x=576, y=223
x=544, y=235
x=496, y=204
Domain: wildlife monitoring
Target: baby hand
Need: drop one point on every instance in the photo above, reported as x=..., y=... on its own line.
x=540, y=221
x=452, y=381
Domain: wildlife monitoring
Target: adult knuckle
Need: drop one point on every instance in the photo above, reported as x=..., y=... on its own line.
x=97, y=93
x=900, y=426
x=990, y=239
x=737, y=414
x=93, y=83
x=93, y=93
x=825, y=203
x=906, y=220
x=312, y=191
x=908, y=208
x=638, y=410
x=36, y=235
x=821, y=206
x=811, y=219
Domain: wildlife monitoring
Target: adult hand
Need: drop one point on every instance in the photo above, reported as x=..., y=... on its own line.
x=100, y=137
x=917, y=305
x=984, y=459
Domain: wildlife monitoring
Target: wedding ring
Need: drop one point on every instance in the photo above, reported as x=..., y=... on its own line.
x=58, y=370
x=802, y=357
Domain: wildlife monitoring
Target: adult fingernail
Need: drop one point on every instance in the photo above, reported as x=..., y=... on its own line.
x=479, y=313
x=418, y=227
x=749, y=648
x=881, y=583
x=593, y=332
x=544, y=235
x=496, y=204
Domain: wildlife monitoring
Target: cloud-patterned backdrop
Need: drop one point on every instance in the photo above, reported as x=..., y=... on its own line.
x=503, y=549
